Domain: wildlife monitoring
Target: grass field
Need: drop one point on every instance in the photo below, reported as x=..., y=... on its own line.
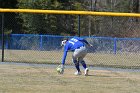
x=126, y=60
x=40, y=79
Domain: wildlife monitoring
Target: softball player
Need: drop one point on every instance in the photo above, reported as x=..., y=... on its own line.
x=77, y=45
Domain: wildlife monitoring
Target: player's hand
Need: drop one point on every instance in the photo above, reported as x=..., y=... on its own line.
x=60, y=69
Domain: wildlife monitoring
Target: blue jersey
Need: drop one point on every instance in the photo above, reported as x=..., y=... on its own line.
x=72, y=44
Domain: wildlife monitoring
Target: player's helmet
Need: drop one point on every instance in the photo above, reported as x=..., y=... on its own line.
x=63, y=42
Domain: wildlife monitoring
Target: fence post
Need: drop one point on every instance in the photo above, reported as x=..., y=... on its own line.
x=115, y=45
x=2, y=28
x=79, y=25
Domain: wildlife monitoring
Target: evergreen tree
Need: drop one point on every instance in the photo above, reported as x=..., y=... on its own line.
x=10, y=21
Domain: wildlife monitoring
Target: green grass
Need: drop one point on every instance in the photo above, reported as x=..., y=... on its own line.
x=35, y=79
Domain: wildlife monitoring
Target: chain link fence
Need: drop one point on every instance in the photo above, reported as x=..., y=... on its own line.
x=31, y=43
x=112, y=52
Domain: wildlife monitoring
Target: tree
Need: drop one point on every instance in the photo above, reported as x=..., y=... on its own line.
x=48, y=23
x=10, y=21
x=68, y=24
x=135, y=6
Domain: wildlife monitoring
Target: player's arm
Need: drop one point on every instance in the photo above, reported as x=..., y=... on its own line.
x=66, y=48
x=60, y=68
x=64, y=57
x=85, y=41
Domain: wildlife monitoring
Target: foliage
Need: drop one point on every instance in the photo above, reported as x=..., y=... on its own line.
x=68, y=24
x=9, y=17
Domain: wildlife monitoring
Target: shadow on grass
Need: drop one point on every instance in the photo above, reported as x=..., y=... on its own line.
x=98, y=76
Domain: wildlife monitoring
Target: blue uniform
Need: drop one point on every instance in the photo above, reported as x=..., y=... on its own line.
x=73, y=44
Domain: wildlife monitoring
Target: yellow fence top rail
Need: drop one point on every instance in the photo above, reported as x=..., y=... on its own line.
x=71, y=12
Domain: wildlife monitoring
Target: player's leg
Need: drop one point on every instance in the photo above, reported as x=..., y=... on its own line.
x=80, y=54
x=80, y=59
x=76, y=63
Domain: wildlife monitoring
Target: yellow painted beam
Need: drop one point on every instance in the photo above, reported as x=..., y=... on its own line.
x=69, y=12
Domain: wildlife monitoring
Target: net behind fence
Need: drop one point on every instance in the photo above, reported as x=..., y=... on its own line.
x=113, y=52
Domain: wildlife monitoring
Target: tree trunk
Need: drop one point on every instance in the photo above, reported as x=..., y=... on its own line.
x=135, y=8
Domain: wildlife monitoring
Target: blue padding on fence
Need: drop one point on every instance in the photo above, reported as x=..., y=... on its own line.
x=53, y=42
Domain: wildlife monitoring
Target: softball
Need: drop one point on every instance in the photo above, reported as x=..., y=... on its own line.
x=60, y=70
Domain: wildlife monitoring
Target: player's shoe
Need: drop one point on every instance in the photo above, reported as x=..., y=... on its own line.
x=86, y=71
x=77, y=73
